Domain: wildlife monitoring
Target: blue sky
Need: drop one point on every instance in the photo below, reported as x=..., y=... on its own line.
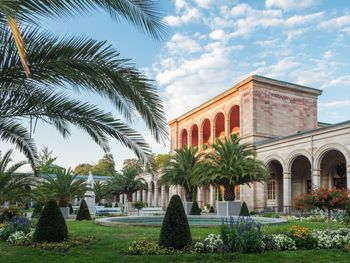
x=212, y=44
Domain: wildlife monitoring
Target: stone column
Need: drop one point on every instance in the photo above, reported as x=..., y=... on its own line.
x=212, y=195
x=348, y=176
x=162, y=197
x=227, y=126
x=287, y=191
x=200, y=197
x=138, y=195
x=144, y=194
x=316, y=178
x=212, y=132
x=200, y=137
x=189, y=137
x=156, y=195
x=150, y=196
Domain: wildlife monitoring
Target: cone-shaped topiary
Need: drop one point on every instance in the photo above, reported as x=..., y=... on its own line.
x=175, y=231
x=51, y=225
x=38, y=207
x=195, y=210
x=244, y=210
x=83, y=212
x=211, y=210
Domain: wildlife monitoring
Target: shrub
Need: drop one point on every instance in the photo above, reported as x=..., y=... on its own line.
x=51, y=225
x=6, y=214
x=211, y=210
x=21, y=237
x=243, y=235
x=175, y=231
x=138, y=205
x=212, y=244
x=83, y=212
x=17, y=223
x=244, y=210
x=65, y=245
x=195, y=210
x=282, y=242
x=302, y=237
x=331, y=239
x=145, y=247
x=38, y=207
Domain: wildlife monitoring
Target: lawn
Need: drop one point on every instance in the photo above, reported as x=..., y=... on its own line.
x=111, y=242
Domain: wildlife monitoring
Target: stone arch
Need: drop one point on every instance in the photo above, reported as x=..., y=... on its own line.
x=234, y=118
x=206, y=130
x=293, y=155
x=195, y=135
x=274, y=157
x=184, y=138
x=219, y=121
x=274, y=194
x=318, y=156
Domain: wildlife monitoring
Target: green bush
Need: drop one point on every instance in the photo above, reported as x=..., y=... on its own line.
x=244, y=210
x=51, y=225
x=83, y=212
x=175, y=232
x=195, y=210
x=38, y=207
x=146, y=247
x=211, y=210
x=6, y=214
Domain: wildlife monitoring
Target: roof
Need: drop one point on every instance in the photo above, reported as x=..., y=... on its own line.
x=256, y=78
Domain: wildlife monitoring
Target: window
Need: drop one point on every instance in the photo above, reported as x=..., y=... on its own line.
x=271, y=190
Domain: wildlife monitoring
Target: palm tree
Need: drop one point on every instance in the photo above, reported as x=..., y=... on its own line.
x=82, y=63
x=63, y=187
x=100, y=190
x=13, y=186
x=183, y=169
x=127, y=182
x=231, y=164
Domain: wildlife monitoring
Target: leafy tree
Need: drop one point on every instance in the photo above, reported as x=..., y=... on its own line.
x=138, y=205
x=183, y=169
x=36, y=66
x=83, y=169
x=51, y=226
x=244, y=210
x=133, y=164
x=83, y=212
x=156, y=163
x=230, y=164
x=13, y=186
x=63, y=187
x=105, y=166
x=46, y=161
x=175, y=231
x=127, y=182
x=100, y=190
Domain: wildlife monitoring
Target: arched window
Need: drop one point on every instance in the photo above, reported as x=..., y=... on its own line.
x=184, y=138
x=220, y=125
x=194, y=135
x=206, y=131
x=234, y=119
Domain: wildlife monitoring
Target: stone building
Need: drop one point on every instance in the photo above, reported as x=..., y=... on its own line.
x=279, y=119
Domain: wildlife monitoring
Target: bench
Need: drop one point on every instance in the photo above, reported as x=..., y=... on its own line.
x=108, y=210
x=152, y=211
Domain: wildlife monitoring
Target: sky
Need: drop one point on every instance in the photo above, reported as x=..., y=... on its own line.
x=211, y=45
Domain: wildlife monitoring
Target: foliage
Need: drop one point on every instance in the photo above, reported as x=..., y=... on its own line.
x=48, y=64
x=243, y=235
x=105, y=166
x=244, y=210
x=331, y=239
x=100, y=190
x=127, y=182
x=156, y=163
x=38, y=207
x=135, y=164
x=21, y=237
x=302, y=237
x=146, y=247
x=17, y=223
x=65, y=245
x=230, y=164
x=211, y=210
x=51, y=226
x=195, y=210
x=13, y=186
x=63, y=187
x=6, y=214
x=212, y=244
x=183, y=169
x=138, y=205
x=83, y=212
x=282, y=242
x=46, y=162
x=175, y=231
x=83, y=169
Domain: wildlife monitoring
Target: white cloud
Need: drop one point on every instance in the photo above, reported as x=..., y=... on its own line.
x=336, y=103
x=204, y=3
x=338, y=22
x=183, y=44
x=219, y=35
x=328, y=54
x=267, y=43
x=188, y=15
x=288, y=5
x=304, y=19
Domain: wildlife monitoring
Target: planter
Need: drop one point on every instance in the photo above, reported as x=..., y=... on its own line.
x=65, y=212
x=187, y=207
x=228, y=208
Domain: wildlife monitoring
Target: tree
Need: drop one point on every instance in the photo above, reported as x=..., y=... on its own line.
x=83, y=212
x=133, y=164
x=100, y=190
x=83, y=169
x=156, y=163
x=183, y=169
x=46, y=161
x=138, y=205
x=175, y=231
x=230, y=164
x=105, y=166
x=63, y=187
x=51, y=226
x=13, y=186
x=244, y=210
x=127, y=182
x=35, y=65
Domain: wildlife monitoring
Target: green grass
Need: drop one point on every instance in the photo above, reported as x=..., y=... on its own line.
x=110, y=242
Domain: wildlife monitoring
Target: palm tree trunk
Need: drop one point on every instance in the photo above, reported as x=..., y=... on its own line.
x=117, y=198
x=229, y=193
x=129, y=197
x=188, y=194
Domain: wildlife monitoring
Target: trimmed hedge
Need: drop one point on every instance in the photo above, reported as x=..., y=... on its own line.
x=175, y=232
x=51, y=225
x=195, y=210
x=83, y=212
x=244, y=210
x=211, y=210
